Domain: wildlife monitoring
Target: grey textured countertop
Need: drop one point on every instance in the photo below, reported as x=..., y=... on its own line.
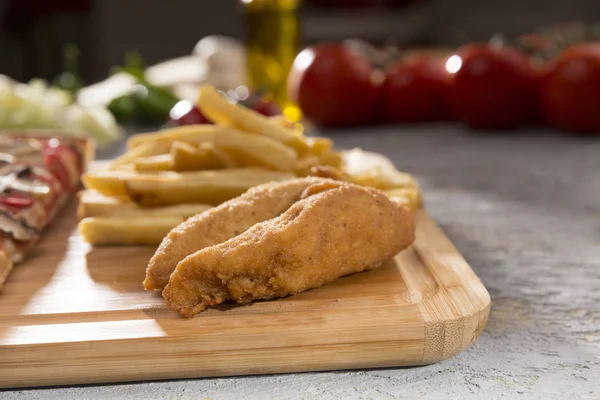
x=524, y=209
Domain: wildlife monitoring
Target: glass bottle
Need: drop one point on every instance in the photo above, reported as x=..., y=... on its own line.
x=272, y=30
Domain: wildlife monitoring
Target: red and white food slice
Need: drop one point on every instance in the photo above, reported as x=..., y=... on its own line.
x=38, y=174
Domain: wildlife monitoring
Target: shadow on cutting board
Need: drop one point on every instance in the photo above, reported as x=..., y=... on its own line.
x=356, y=291
x=121, y=268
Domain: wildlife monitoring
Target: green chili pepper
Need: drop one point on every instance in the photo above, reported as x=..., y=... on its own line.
x=123, y=108
x=147, y=103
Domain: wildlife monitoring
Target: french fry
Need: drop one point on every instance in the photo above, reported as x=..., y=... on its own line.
x=327, y=171
x=219, y=110
x=243, y=160
x=305, y=163
x=319, y=145
x=332, y=158
x=147, y=149
x=281, y=120
x=93, y=203
x=161, y=162
x=373, y=169
x=208, y=187
x=109, y=183
x=115, y=230
x=410, y=197
x=385, y=181
x=267, y=151
x=219, y=182
x=185, y=133
x=177, y=210
x=185, y=157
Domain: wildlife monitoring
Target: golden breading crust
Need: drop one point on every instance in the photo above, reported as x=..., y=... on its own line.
x=221, y=223
x=335, y=229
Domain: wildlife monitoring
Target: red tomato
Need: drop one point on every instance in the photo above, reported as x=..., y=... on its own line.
x=571, y=92
x=415, y=91
x=17, y=200
x=334, y=86
x=186, y=113
x=266, y=108
x=491, y=88
x=542, y=75
x=56, y=166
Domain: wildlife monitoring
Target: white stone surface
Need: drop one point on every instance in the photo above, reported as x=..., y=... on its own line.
x=524, y=209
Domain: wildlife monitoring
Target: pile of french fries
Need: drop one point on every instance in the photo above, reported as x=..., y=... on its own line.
x=168, y=176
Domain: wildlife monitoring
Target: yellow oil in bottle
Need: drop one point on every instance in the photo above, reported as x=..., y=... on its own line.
x=272, y=30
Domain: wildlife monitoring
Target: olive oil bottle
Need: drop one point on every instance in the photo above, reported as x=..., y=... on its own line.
x=272, y=33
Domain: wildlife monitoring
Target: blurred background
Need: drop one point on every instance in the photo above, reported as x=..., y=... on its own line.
x=33, y=32
x=91, y=65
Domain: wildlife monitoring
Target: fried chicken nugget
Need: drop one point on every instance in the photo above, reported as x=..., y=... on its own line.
x=335, y=229
x=221, y=223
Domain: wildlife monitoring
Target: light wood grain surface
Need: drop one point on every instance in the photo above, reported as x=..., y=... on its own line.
x=74, y=314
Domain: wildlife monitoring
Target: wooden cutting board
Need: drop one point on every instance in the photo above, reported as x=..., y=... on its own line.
x=73, y=314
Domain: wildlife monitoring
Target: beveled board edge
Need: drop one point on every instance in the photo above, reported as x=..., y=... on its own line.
x=457, y=314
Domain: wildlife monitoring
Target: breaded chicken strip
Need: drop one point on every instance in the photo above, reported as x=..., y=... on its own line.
x=221, y=223
x=336, y=229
